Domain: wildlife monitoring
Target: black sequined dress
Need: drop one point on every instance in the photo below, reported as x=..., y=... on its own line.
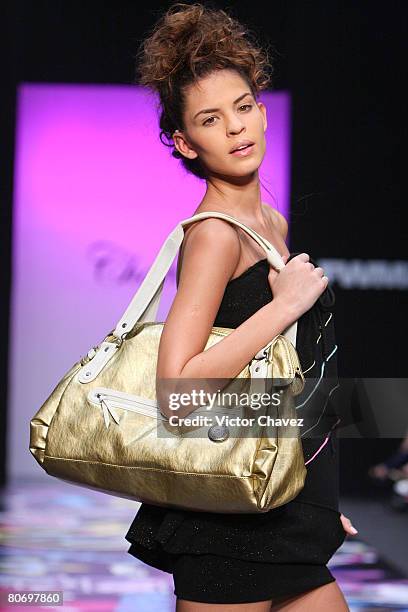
x=237, y=558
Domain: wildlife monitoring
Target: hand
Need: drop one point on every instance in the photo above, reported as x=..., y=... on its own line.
x=347, y=526
x=299, y=284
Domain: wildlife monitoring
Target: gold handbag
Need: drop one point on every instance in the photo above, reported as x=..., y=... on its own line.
x=101, y=427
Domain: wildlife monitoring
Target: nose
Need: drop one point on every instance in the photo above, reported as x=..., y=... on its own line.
x=234, y=124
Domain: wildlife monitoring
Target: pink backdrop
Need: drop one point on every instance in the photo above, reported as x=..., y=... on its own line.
x=96, y=194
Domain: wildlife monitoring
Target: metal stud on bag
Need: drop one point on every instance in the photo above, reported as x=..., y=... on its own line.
x=218, y=433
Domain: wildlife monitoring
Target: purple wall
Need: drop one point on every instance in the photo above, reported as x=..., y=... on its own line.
x=96, y=194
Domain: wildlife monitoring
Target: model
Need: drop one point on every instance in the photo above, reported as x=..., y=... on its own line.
x=208, y=74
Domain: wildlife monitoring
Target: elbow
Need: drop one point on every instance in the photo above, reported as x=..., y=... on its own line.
x=171, y=382
x=163, y=404
x=165, y=376
x=173, y=393
x=165, y=388
x=162, y=398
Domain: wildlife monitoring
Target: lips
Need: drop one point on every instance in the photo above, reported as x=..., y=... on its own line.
x=244, y=152
x=241, y=143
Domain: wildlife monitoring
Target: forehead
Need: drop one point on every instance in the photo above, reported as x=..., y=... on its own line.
x=215, y=89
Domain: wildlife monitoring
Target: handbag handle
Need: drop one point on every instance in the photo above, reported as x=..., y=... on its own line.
x=145, y=303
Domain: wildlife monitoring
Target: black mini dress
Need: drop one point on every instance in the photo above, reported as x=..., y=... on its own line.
x=243, y=558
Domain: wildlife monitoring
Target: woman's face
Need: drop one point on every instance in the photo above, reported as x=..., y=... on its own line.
x=220, y=111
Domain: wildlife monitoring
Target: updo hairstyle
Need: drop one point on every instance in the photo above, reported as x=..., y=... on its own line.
x=187, y=43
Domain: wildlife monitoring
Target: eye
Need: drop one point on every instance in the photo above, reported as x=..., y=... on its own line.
x=206, y=121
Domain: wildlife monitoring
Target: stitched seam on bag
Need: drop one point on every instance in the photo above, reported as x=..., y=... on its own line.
x=135, y=467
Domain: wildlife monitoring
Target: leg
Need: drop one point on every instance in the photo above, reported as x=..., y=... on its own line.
x=183, y=605
x=321, y=599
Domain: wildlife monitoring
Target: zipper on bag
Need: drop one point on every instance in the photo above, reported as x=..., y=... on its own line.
x=111, y=399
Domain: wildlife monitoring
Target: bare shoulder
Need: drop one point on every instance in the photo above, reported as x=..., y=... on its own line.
x=209, y=242
x=277, y=220
x=212, y=230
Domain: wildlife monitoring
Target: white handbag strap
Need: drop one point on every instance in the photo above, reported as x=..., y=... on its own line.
x=145, y=303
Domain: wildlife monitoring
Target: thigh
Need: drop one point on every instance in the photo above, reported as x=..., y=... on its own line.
x=326, y=597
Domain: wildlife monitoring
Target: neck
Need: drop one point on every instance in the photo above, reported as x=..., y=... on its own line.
x=236, y=196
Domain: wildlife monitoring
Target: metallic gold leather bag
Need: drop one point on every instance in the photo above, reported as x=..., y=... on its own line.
x=101, y=427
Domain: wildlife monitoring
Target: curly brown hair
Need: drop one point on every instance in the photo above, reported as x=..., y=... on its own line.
x=187, y=43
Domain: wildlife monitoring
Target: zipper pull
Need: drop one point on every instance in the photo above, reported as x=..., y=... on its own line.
x=105, y=413
x=106, y=410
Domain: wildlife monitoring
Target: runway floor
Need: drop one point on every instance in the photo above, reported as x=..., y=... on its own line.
x=61, y=537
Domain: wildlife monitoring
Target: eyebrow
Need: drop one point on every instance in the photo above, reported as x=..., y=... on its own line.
x=214, y=110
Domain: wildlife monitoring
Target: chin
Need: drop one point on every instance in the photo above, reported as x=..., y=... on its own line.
x=238, y=167
x=245, y=167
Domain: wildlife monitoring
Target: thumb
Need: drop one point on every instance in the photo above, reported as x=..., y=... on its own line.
x=285, y=258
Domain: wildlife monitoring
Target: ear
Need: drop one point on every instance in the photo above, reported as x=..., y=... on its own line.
x=182, y=145
x=262, y=108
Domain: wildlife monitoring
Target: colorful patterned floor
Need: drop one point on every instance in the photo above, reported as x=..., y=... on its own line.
x=61, y=537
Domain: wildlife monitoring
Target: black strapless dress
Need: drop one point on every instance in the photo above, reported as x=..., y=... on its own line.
x=242, y=558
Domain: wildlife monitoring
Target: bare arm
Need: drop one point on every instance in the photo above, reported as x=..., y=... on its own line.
x=229, y=356
x=211, y=254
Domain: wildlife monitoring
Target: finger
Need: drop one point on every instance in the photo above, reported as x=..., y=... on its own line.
x=319, y=271
x=346, y=521
x=347, y=526
x=303, y=256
